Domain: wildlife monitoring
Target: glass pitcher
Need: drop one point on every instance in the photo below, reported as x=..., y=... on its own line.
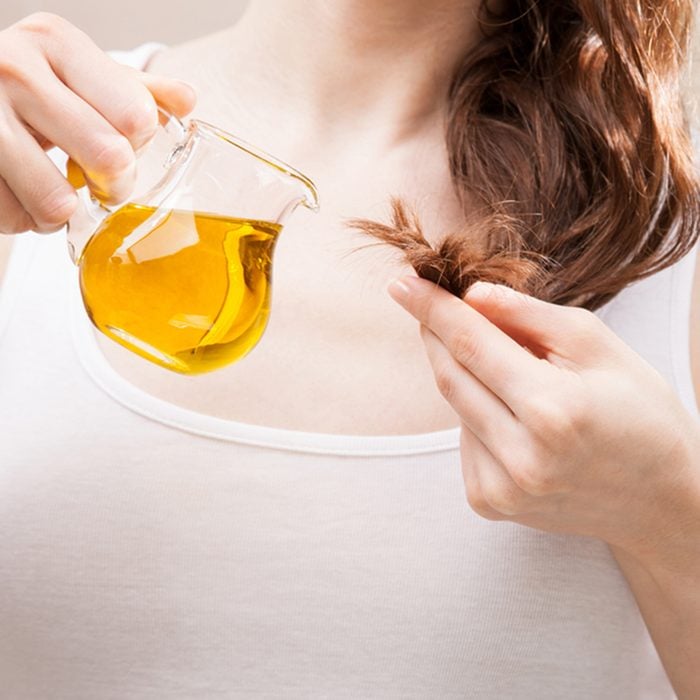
x=180, y=273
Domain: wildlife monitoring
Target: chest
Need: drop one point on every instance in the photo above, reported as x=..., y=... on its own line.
x=338, y=354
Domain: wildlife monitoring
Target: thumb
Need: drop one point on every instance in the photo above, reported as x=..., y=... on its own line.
x=544, y=328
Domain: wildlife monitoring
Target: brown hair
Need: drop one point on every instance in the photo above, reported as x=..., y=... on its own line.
x=567, y=129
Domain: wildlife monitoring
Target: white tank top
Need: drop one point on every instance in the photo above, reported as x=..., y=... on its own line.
x=150, y=552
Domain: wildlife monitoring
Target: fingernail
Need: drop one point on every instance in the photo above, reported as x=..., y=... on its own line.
x=399, y=290
x=185, y=83
x=114, y=191
x=187, y=86
x=70, y=203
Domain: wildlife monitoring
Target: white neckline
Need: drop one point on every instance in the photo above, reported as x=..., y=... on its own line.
x=135, y=399
x=139, y=401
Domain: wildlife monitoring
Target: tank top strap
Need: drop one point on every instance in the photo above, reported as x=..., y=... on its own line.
x=682, y=282
x=138, y=57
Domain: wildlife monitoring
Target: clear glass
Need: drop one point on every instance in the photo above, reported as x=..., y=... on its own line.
x=181, y=273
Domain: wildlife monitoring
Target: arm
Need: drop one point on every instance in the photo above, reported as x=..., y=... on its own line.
x=667, y=590
x=579, y=435
x=668, y=593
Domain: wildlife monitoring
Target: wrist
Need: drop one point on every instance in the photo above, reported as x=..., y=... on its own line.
x=670, y=538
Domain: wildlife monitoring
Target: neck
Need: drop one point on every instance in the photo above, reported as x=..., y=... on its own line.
x=371, y=63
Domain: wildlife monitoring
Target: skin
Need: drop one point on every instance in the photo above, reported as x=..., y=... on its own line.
x=395, y=121
x=312, y=66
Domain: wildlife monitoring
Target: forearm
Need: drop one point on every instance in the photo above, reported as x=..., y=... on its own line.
x=670, y=606
x=666, y=585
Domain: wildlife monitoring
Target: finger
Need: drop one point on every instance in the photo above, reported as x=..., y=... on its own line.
x=506, y=439
x=470, y=452
x=173, y=96
x=497, y=491
x=119, y=93
x=477, y=406
x=34, y=180
x=104, y=155
x=122, y=100
x=43, y=142
x=500, y=363
x=13, y=216
x=551, y=331
x=128, y=99
x=177, y=97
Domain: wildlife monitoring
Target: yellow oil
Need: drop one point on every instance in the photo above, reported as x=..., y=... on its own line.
x=187, y=290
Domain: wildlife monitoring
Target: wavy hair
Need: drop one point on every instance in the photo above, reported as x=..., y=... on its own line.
x=569, y=150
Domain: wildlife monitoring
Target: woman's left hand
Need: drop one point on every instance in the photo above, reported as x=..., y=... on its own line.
x=564, y=427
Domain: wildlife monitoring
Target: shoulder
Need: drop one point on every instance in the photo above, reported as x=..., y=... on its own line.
x=176, y=60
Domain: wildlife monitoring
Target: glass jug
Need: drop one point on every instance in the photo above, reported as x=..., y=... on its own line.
x=180, y=273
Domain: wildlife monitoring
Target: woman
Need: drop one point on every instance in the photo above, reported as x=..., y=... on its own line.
x=295, y=525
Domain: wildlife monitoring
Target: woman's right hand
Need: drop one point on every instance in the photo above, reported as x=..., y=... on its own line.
x=57, y=88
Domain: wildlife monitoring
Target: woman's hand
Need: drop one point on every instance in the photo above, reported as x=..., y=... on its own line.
x=57, y=88
x=575, y=434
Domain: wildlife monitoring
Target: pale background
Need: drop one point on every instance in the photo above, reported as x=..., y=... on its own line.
x=125, y=24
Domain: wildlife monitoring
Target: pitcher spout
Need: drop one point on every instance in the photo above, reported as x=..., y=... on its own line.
x=310, y=200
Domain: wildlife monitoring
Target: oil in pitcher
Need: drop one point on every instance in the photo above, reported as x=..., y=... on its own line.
x=181, y=273
x=187, y=290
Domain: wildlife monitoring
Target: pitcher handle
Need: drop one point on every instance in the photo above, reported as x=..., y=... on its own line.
x=91, y=211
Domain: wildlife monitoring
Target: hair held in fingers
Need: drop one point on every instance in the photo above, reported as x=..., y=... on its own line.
x=461, y=257
x=567, y=135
